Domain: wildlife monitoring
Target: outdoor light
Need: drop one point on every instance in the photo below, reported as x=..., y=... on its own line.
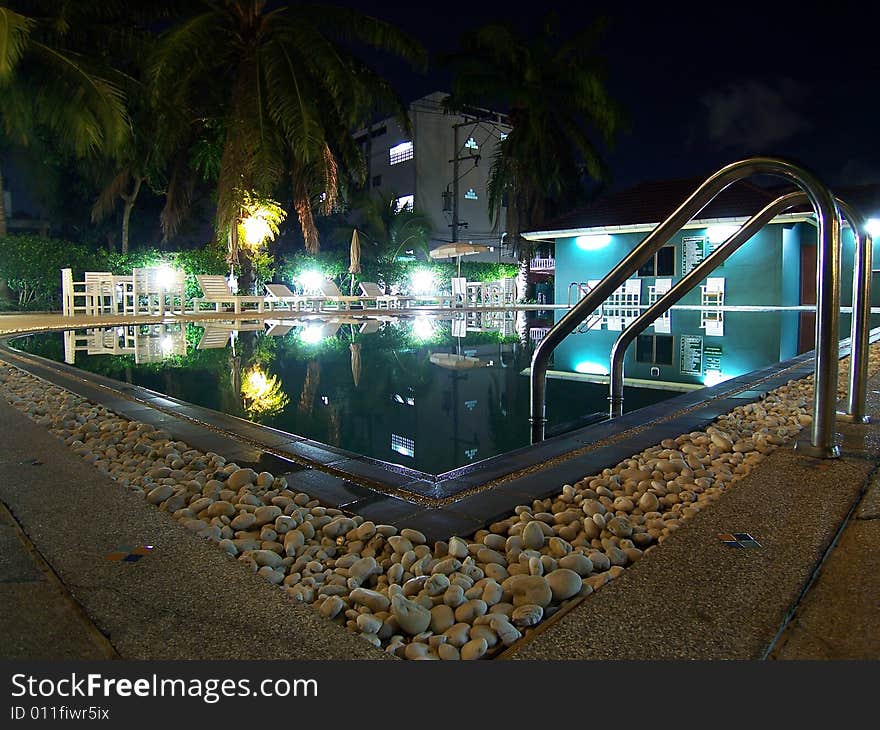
x=592, y=243
x=713, y=377
x=422, y=281
x=311, y=280
x=591, y=368
x=256, y=230
x=165, y=277
x=423, y=328
x=872, y=226
x=312, y=335
x=263, y=394
x=167, y=344
x=720, y=232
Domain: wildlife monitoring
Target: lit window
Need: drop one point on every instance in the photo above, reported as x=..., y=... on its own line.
x=471, y=144
x=400, y=153
x=403, y=445
x=471, y=194
x=405, y=202
x=502, y=136
x=470, y=405
x=661, y=263
x=471, y=454
x=655, y=349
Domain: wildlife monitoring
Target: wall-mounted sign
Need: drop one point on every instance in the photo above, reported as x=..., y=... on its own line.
x=712, y=357
x=691, y=362
x=693, y=250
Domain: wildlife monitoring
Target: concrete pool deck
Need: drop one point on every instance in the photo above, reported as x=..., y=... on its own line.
x=694, y=597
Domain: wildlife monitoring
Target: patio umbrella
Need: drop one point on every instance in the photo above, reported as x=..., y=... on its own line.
x=452, y=361
x=355, y=349
x=355, y=258
x=456, y=250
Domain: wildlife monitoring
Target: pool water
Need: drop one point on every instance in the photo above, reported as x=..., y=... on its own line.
x=406, y=390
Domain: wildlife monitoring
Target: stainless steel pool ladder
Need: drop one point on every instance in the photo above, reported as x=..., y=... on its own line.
x=827, y=296
x=861, y=302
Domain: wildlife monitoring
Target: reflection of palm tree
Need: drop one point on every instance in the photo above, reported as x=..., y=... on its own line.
x=310, y=387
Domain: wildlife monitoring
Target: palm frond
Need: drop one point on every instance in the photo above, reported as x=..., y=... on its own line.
x=15, y=30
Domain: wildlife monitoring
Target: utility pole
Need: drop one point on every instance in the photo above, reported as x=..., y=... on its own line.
x=455, y=160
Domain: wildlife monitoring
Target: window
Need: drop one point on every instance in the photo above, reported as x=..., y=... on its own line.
x=471, y=144
x=655, y=349
x=404, y=202
x=403, y=445
x=471, y=194
x=502, y=136
x=661, y=263
x=400, y=153
x=377, y=181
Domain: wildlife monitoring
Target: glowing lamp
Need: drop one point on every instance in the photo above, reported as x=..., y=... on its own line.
x=591, y=368
x=592, y=243
x=422, y=281
x=720, y=232
x=872, y=226
x=423, y=328
x=255, y=230
x=312, y=335
x=311, y=280
x=713, y=377
x=167, y=344
x=165, y=277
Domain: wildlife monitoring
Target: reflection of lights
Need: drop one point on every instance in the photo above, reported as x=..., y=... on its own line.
x=165, y=278
x=167, y=344
x=713, y=377
x=312, y=335
x=720, y=232
x=255, y=229
x=263, y=394
x=311, y=280
x=591, y=368
x=423, y=328
x=422, y=281
x=872, y=226
x=592, y=243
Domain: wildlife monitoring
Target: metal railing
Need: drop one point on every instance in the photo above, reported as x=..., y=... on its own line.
x=861, y=301
x=827, y=296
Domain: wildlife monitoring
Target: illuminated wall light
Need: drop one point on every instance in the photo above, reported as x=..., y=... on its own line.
x=592, y=243
x=591, y=368
x=423, y=328
x=872, y=226
x=311, y=280
x=713, y=377
x=422, y=282
x=720, y=232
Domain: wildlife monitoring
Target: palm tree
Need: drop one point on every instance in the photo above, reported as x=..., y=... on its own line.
x=47, y=84
x=391, y=228
x=554, y=93
x=286, y=91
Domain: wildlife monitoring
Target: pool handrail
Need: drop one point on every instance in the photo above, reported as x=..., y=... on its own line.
x=861, y=301
x=827, y=299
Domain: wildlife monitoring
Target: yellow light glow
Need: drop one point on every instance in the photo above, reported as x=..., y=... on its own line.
x=256, y=230
x=263, y=394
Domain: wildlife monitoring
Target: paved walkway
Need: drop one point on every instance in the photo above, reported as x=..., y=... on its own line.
x=692, y=598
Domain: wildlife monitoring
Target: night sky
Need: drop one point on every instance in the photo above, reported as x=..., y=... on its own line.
x=704, y=88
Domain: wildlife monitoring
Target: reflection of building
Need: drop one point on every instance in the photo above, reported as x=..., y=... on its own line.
x=776, y=268
x=147, y=342
x=441, y=168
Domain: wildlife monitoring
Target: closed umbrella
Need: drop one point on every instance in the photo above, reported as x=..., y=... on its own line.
x=355, y=349
x=456, y=250
x=355, y=258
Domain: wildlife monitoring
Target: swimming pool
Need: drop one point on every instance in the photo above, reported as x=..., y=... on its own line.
x=425, y=393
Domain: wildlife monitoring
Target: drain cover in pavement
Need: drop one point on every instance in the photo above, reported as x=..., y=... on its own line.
x=128, y=554
x=738, y=540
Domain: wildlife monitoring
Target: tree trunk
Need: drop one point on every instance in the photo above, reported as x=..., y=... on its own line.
x=5, y=292
x=126, y=212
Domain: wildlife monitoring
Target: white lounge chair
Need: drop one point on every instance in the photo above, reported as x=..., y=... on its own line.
x=372, y=291
x=330, y=293
x=281, y=294
x=214, y=338
x=217, y=293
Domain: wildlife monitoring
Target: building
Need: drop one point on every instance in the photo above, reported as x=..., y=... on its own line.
x=700, y=342
x=441, y=167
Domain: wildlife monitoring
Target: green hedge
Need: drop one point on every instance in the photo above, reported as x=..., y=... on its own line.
x=31, y=266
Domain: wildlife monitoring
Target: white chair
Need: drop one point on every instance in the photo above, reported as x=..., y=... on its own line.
x=75, y=299
x=371, y=290
x=102, y=290
x=330, y=293
x=281, y=294
x=216, y=292
x=459, y=291
x=214, y=338
x=712, y=299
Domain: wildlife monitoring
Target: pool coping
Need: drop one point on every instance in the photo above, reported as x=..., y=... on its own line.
x=457, y=502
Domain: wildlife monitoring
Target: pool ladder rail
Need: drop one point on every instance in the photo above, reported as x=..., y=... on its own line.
x=825, y=206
